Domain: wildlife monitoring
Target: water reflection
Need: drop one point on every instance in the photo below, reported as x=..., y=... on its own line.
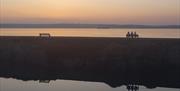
x=64, y=85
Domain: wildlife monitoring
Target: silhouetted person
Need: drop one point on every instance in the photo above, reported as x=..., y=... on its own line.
x=128, y=87
x=132, y=35
x=128, y=35
x=136, y=88
x=136, y=35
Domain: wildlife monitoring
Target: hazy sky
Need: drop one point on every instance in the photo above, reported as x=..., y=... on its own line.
x=90, y=11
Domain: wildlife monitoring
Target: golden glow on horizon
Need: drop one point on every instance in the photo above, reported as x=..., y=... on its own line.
x=91, y=11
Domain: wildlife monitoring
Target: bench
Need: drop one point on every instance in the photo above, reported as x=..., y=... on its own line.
x=44, y=35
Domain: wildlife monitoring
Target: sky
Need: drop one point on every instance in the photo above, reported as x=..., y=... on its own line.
x=162, y=12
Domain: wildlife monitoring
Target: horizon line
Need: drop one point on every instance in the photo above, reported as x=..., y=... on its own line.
x=83, y=25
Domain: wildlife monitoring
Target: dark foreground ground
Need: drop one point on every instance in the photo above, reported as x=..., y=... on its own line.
x=115, y=61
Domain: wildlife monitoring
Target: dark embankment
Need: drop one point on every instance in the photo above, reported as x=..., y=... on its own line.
x=115, y=61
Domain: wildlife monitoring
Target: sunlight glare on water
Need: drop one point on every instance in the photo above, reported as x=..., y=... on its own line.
x=145, y=33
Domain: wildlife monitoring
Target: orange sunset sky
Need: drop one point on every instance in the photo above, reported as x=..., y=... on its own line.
x=90, y=11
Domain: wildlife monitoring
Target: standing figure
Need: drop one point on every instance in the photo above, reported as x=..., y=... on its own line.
x=132, y=35
x=136, y=35
x=128, y=35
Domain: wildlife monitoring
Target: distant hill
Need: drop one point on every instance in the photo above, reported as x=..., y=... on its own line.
x=100, y=26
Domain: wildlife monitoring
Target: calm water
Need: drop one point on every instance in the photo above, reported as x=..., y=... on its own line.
x=148, y=33
x=65, y=85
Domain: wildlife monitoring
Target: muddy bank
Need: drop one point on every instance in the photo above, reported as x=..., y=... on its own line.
x=115, y=61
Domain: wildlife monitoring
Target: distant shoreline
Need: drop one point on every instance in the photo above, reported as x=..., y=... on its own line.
x=97, y=26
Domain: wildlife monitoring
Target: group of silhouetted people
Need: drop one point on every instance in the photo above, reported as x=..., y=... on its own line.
x=132, y=35
x=132, y=87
